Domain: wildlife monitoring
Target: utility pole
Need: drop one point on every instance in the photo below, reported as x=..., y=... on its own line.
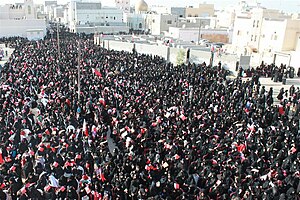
x=199, y=32
x=78, y=81
x=58, y=47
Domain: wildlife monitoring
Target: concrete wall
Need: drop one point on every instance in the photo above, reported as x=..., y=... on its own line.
x=297, y=48
x=216, y=37
x=152, y=49
x=200, y=56
x=170, y=53
x=295, y=55
x=102, y=29
x=119, y=46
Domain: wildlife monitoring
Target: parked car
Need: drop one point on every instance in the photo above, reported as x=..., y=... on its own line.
x=218, y=44
x=208, y=44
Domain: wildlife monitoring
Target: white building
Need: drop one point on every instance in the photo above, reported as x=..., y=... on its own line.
x=21, y=20
x=123, y=5
x=91, y=17
x=49, y=7
x=225, y=18
x=58, y=14
x=161, y=9
x=135, y=21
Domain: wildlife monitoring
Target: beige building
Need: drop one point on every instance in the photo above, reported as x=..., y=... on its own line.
x=204, y=10
x=248, y=27
x=267, y=35
x=281, y=38
x=158, y=23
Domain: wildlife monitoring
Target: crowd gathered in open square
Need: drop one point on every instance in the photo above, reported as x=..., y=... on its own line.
x=179, y=132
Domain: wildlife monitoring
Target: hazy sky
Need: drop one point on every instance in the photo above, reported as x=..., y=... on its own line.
x=285, y=5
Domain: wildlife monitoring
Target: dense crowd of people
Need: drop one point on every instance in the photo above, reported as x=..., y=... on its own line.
x=179, y=132
x=277, y=73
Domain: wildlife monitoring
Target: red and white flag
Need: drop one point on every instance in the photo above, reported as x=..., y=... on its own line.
x=85, y=128
x=95, y=71
x=212, y=48
x=24, y=67
x=101, y=175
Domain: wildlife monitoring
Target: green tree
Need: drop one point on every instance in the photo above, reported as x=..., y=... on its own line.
x=180, y=59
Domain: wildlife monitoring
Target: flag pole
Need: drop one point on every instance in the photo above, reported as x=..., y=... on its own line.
x=58, y=47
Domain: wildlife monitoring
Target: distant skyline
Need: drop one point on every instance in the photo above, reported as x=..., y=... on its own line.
x=284, y=5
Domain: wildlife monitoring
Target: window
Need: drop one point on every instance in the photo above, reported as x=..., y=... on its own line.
x=239, y=32
x=196, y=15
x=189, y=15
x=254, y=23
x=169, y=22
x=153, y=21
x=29, y=10
x=255, y=38
x=140, y=25
x=114, y=18
x=257, y=24
x=180, y=15
x=274, y=36
x=251, y=37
